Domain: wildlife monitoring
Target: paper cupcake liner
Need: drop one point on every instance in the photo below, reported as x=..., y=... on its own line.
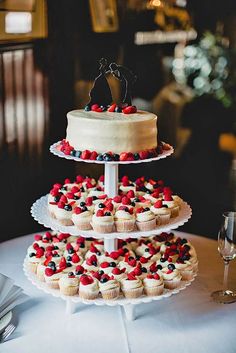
x=52, y=214
x=32, y=266
x=133, y=293
x=186, y=275
x=125, y=226
x=111, y=293
x=152, y=291
x=172, y=284
x=66, y=222
x=71, y=290
x=174, y=212
x=163, y=219
x=146, y=226
x=103, y=228
x=53, y=284
x=195, y=267
x=83, y=225
x=88, y=295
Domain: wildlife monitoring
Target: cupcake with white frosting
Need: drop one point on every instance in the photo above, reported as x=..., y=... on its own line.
x=185, y=268
x=52, y=276
x=88, y=287
x=162, y=212
x=118, y=273
x=171, y=277
x=109, y=287
x=82, y=218
x=124, y=219
x=132, y=286
x=63, y=212
x=69, y=284
x=153, y=284
x=171, y=204
x=103, y=222
x=145, y=220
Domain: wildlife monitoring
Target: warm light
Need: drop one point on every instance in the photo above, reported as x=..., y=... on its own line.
x=155, y=3
x=18, y=22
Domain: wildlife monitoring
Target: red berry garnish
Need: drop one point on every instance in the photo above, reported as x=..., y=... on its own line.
x=168, y=197
x=93, y=155
x=158, y=204
x=94, y=107
x=143, y=260
x=105, y=264
x=62, y=263
x=112, y=108
x=79, y=179
x=77, y=210
x=130, y=194
x=132, y=262
x=39, y=252
x=79, y=268
x=75, y=258
x=153, y=267
x=85, y=280
x=85, y=154
x=37, y=237
x=140, y=210
x=126, y=200
x=156, y=276
x=131, y=276
x=89, y=201
x=143, y=154
x=116, y=271
x=100, y=213
x=123, y=156
x=67, y=181
x=49, y=271
x=117, y=199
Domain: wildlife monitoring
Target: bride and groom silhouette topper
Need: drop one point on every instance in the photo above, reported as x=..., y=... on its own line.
x=101, y=93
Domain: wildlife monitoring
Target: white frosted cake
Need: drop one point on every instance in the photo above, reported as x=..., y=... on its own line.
x=111, y=131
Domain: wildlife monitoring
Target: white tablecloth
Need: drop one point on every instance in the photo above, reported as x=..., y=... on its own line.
x=188, y=322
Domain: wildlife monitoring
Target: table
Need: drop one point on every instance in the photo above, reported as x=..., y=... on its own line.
x=188, y=322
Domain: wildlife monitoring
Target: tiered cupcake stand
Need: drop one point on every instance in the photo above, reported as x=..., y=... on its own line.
x=40, y=213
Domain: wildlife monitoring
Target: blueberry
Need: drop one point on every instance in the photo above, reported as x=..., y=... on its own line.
x=118, y=109
x=107, y=157
x=100, y=157
x=107, y=214
x=68, y=264
x=133, y=204
x=116, y=157
x=71, y=251
x=171, y=267
x=64, y=188
x=56, y=198
x=130, y=258
x=186, y=247
x=167, y=243
x=87, y=108
x=165, y=206
x=69, y=258
x=94, y=198
x=144, y=269
x=76, y=197
x=183, y=241
x=159, y=267
x=70, y=273
x=31, y=254
x=82, y=189
x=94, y=263
x=98, y=253
x=126, y=250
x=146, y=250
x=163, y=259
x=136, y=199
x=146, y=209
x=136, y=156
x=82, y=245
x=55, y=255
x=104, y=108
x=155, y=186
x=103, y=280
x=186, y=257
x=82, y=204
x=112, y=264
x=78, y=273
x=56, y=247
x=78, y=154
x=52, y=264
x=148, y=191
x=101, y=205
x=72, y=153
x=143, y=189
x=67, y=208
x=138, y=257
x=100, y=272
x=84, y=209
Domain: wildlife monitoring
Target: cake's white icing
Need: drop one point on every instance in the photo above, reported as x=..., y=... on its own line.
x=115, y=132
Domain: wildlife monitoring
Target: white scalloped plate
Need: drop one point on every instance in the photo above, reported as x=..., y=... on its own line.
x=54, y=150
x=40, y=213
x=100, y=301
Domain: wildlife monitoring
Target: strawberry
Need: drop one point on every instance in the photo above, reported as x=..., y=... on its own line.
x=79, y=268
x=75, y=258
x=139, y=210
x=137, y=271
x=62, y=263
x=158, y=204
x=69, y=246
x=112, y=108
x=93, y=248
x=63, y=198
x=79, y=179
x=117, y=199
x=89, y=201
x=37, y=237
x=39, y=252
x=104, y=264
x=130, y=194
x=116, y=271
x=102, y=197
x=101, y=178
x=143, y=154
x=69, y=195
x=100, y=213
x=114, y=255
x=85, y=280
x=150, y=276
x=94, y=107
x=132, y=262
x=131, y=277
x=96, y=275
x=77, y=210
x=49, y=272
x=126, y=200
x=61, y=204
x=93, y=156
x=85, y=154
x=123, y=156
x=99, y=110
x=143, y=260
x=168, y=197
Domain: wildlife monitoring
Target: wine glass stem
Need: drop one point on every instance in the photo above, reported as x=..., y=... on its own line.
x=226, y=271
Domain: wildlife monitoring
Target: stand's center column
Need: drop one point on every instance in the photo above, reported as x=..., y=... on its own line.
x=111, y=189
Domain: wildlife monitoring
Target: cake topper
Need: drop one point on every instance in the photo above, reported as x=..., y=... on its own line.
x=127, y=79
x=101, y=93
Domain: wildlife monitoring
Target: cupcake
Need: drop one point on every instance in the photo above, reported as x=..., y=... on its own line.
x=52, y=276
x=153, y=197
x=171, y=204
x=69, y=284
x=146, y=220
x=124, y=219
x=162, y=212
x=126, y=185
x=103, y=222
x=107, y=267
x=79, y=271
x=35, y=258
x=118, y=273
x=53, y=199
x=109, y=287
x=131, y=286
x=153, y=284
x=91, y=263
x=88, y=287
x=63, y=212
x=185, y=268
x=171, y=277
x=82, y=218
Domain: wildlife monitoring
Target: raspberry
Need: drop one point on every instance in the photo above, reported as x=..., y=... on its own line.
x=54, y=192
x=104, y=264
x=140, y=210
x=130, y=194
x=126, y=200
x=57, y=186
x=123, y=156
x=49, y=271
x=89, y=201
x=137, y=271
x=79, y=268
x=109, y=207
x=114, y=255
x=39, y=252
x=132, y=262
x=77, y=210
x=62, y=263
x=117, y=199
x=102, y=197
x=85, y=154
x=168, y=197
x=63, y=198
x=131, y=276
x=37, y=237
x=69, y=195
x=101, y=179
x=94, y=107
x=93, y=248
x=131, y=210
x=96, y=275
x=116, y=271
x=130, y=157
x=150, y=276
x=112, y=108
x=156, y=276
x=143, y=260
x=143, y=154
x=153, y=267
x=61, y=204
x=156, y=195
x=158, y=204
x=100, y=213
x=93, y=156
x=79, y=179
x=124, y=178
x=85, y=280
x=123, y=208
x=99, y=110
x=75, y=258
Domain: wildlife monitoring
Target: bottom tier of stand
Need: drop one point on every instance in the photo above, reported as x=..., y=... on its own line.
x=128, y=304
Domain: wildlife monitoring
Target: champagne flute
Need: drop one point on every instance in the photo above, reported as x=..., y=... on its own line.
x=227, y=250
